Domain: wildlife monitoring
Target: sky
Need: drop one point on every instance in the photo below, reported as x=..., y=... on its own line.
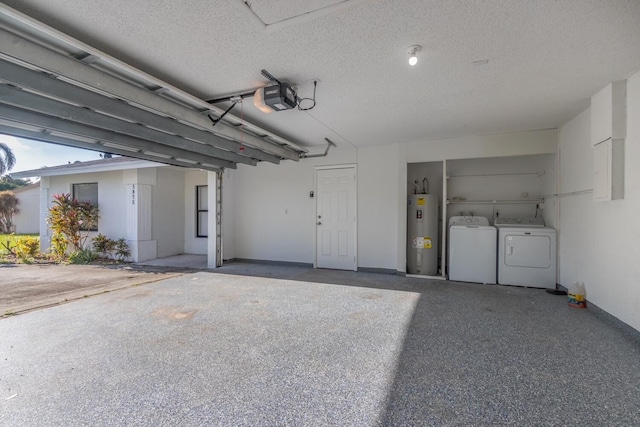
x=34, y=154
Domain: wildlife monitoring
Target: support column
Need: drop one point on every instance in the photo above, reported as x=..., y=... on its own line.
x=214, y=241
x=45, y=232
x=139, y=183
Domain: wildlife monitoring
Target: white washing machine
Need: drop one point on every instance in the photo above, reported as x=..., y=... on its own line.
x=472, y=249
x=526, y=253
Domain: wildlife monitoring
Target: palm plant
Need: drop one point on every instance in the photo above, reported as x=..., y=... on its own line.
x=7, y=158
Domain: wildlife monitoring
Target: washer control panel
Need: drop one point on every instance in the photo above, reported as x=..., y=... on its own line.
x=468, y=220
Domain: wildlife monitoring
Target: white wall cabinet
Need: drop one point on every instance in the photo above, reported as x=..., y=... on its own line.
x=608, y=131
x=608, y=170
x=609, y=113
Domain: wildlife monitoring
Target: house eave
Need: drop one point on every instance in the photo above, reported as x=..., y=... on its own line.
x=78, y=168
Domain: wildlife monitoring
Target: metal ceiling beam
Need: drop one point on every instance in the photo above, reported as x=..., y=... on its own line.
x=14, y=46
x=48, y=84
x=55, y=139
x=31, y=118
x=43, y=33
x=29, y=101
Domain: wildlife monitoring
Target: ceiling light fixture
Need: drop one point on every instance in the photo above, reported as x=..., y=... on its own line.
x=413, y=59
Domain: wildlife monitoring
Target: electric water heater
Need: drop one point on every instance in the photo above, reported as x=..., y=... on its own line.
x=422, y=234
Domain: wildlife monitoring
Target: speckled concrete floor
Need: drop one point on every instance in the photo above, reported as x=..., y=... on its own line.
x=262, y=345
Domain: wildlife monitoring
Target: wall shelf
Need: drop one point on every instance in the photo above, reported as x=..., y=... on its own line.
x=489, y=175
x=570, y=193
x=494, y=202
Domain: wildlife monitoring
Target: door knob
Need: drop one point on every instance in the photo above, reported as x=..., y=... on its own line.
x=319, y=223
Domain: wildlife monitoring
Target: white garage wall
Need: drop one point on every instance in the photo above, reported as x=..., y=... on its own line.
x=274, y=218
x=377, y=212
x=549, y=184
x=500, y=145
x=273, y=215
x=168, y=214
x=598, y=241
x=192, y=244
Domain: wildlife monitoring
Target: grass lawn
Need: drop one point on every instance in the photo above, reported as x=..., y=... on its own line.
x=11, y=237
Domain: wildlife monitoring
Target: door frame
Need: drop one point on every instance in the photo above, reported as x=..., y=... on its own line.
x=315, y=210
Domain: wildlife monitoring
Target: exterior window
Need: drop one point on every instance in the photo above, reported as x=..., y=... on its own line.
x=86, y=193
x=202, y=211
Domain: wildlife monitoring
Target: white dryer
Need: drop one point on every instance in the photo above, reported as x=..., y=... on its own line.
x=472, y=250
x=526, y=253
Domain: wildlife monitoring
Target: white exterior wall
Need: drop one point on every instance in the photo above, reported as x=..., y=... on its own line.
x=598, y=240
x=146, y=206
x=27, y=221
x=111, y=199
x=192, y=244
x=168, y=212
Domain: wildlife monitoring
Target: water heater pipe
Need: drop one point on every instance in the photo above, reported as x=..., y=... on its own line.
x=425, y=190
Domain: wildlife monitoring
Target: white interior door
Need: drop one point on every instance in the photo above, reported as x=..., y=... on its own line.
x=336, y=218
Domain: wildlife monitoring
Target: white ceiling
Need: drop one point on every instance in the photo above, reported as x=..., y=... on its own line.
x=546, y=58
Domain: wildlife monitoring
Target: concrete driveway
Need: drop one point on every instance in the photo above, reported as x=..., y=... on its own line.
x=269, y=346
x=26, y=287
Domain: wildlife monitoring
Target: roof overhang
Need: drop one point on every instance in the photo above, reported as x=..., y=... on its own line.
x=106, y=165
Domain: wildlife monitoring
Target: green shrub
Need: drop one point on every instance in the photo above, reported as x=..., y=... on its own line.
x=22, y=246
x=110, y=248
x=71, y=221
x=26, y=247
x=103, y=245
x=122, y=250
x=59, y=245
x=84, y=256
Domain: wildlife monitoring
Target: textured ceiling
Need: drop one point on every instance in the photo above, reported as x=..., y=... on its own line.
x=546, y=59
x=272, y=11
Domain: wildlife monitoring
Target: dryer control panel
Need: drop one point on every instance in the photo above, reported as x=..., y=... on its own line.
x=519, y=222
